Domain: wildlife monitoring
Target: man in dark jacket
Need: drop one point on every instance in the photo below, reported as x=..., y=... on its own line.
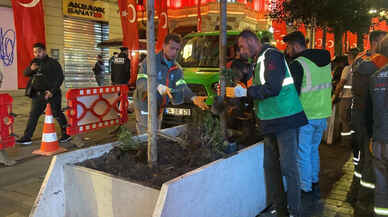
x=311, y=70
x=378, y=89
x=98, y=70
x=47, y=76
x=363, y=68
x=171, y=85
x=280, y=112
x=121, y=68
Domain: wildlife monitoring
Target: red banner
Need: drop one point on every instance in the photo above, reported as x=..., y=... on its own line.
x=128, y=16
x=330, y=42
x=30, y=29
x=129, y=24
x=161, y=6
x=199, y=18
x=351, y=41
x=302, y=29
x=279, y=31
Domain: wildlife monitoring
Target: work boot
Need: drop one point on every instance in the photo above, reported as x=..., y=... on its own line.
x=272, y=212
x=65, y=138
x=24, y=141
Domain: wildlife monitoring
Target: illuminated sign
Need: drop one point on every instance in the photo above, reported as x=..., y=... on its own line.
x=94, y=10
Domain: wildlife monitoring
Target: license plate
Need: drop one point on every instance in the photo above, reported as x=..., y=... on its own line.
x=178, y=111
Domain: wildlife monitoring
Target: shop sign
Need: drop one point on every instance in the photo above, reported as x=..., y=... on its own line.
x=94, y=10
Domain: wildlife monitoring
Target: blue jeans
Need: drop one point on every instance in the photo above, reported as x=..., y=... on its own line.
x=310, y=137
x=280, y=152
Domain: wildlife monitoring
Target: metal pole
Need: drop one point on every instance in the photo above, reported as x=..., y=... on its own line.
x=222, y=51
x=152, y=151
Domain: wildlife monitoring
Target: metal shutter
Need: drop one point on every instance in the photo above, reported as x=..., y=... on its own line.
x=80, y=49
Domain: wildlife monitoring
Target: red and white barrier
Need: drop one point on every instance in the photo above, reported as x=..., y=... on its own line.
x=96, y=107
x=6, y=122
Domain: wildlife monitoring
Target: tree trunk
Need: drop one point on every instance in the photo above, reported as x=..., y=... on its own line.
x=324, y=38
x=360, y=41
x=222, y=52
x=338, y=33
x=152, y=151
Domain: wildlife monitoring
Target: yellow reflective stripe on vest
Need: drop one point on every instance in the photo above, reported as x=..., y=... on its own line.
x=381, y=211
x=139, y=76
x=180, y=82
x=309, y=87
x=286, y=81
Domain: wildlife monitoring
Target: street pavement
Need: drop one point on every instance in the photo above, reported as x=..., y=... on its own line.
x=20, y=183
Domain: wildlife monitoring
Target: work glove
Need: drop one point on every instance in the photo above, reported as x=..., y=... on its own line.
x=237, y=91
x=200, y=102
x=162, y=89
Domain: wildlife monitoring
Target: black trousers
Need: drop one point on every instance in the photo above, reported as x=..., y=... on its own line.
x=380, y=151
x=38, y=107
x=364, y=168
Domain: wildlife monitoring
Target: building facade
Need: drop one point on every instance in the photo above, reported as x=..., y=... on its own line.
x=75, y=28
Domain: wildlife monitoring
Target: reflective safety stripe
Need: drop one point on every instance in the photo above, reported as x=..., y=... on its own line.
x=286, y=81
x=180, y=82
x=356, y=159
x=367, y=184
x=347, y=86
x=355, y=163
x=346, y=133
x=139, y=76
x=317, y=87
x=143, y=113
x=381, y=211
x=309, y=87
x=358, y=175
x=48, y=119
x=49, y=137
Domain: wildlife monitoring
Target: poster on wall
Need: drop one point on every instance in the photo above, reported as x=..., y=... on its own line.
x=8, y=58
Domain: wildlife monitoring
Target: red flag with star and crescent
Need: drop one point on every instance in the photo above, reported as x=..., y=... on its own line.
x=30, y=29
x=161, y=6
x=128, y=17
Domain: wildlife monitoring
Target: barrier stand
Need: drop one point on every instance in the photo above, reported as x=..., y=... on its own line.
x=95, y=108
x=7, y=138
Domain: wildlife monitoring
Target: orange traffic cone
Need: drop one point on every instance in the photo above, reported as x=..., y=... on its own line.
x=50, y=144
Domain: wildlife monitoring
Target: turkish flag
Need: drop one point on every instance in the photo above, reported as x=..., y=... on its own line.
x=161, y=6
x=329, y=40
x=29, y=27
x=128, y=15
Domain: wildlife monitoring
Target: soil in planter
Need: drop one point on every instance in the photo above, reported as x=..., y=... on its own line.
x=202, y=146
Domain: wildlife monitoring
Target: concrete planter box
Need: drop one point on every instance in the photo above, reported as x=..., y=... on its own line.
x=231, y=187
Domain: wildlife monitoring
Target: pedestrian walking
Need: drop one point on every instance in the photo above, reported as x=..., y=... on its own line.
x=343, y=91
x=311, y=71
x=98, y=70
x=171, y=85
x=121, y=68
x=278, y=107
x=46, y=78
